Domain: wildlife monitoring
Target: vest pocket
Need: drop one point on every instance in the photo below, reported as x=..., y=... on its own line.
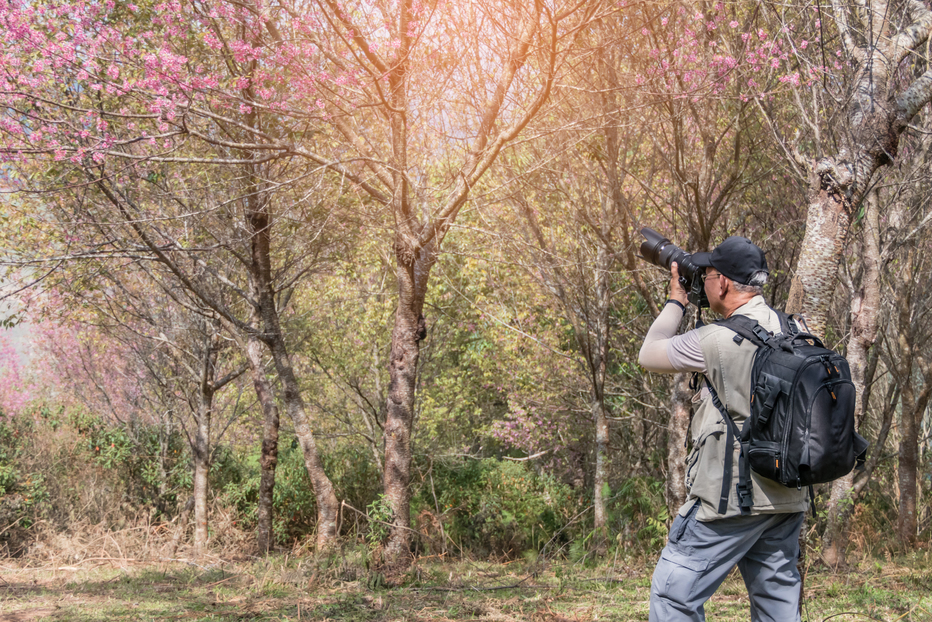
x=704, y=460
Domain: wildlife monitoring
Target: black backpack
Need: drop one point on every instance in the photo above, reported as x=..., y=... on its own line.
x=801, y=429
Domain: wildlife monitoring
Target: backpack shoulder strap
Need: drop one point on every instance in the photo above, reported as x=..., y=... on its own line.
x=745, y=495
x=747, y=328
x=791, y=324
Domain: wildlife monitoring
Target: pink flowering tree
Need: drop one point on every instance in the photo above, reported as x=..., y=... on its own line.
x=65, y=361
x=163, y=123
x=408, y=103
x=856, y=80
x=441, y=89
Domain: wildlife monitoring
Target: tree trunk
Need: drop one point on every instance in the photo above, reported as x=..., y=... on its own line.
x=268, y=460
x=915, y=388
x=913, y=403
x=409, y=330
x=907, y=466
x=259, y=222
x=202, y=435
x=600, y=479
x=913, y=409
x=817, y=271
x=677, y=433
x=865, y=306
x=876, y=117
x=328, y=508
x=597, y=329
x=201, y=470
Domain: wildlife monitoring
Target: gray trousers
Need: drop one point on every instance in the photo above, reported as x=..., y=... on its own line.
x=699, y=556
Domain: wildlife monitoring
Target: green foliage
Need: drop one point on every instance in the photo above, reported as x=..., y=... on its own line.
x=153, y=467
x=294, y=508
x=498, y=507
x=355, y=479
x=7, y=478
x=379, y=514
x=8, y=450
x=638, y=514
x=227, y=469
x=21, y=491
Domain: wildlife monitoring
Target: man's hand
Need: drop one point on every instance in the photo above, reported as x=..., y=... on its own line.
x=677, y=292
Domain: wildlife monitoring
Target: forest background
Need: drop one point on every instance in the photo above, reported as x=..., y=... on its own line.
x=411, y=228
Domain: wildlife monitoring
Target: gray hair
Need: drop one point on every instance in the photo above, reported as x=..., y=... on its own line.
x=755, y=285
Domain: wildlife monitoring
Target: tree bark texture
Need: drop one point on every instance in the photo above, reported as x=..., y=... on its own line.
x=409, y=330
x=876, y=117
x=268, y=460
x=817, y=271
x=677, y=434
x=202, y=437
x=201, y=470
x=865, y=308
x=907, y=467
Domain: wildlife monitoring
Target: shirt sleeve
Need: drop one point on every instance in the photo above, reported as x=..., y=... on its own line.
x=685, y=353
x=665, y=351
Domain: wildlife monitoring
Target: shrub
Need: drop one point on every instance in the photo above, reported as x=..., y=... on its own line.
x=637, y=513
x=355, y=479
x=497, y=507
x=151, y=465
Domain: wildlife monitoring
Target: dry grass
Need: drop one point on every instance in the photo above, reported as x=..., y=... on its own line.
x=120, y=575
x=143, y=541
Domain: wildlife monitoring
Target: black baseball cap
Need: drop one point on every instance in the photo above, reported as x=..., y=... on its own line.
x=737, y=258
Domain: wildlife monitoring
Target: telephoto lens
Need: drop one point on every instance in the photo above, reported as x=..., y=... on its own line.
x=661, y=252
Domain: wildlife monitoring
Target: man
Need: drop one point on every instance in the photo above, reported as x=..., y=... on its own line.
x=711, y=534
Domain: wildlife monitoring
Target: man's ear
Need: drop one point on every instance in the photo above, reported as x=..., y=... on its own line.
x=724, y=285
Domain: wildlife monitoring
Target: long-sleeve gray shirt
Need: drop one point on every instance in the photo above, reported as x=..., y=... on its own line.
x=666, y=352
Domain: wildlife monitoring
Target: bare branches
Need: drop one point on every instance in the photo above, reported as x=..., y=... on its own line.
x=917, y=95
x=907, y=41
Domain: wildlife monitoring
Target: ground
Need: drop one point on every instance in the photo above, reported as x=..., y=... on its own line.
x=339, y=589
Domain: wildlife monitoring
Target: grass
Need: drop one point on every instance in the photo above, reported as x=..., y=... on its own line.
x=340, y=590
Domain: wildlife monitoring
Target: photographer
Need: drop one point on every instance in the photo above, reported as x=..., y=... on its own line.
x=712, y=532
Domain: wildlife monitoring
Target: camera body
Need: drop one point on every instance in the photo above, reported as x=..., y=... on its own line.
x=661, y=252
